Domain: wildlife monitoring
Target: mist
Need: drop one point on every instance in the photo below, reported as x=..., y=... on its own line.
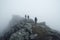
x=44, y=10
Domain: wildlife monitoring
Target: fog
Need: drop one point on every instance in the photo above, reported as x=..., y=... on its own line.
x=44, y=10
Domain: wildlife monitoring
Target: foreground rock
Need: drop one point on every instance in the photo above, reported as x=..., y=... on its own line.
x=26, y=29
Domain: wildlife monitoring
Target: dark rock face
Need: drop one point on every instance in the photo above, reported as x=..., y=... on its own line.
x=25, y=29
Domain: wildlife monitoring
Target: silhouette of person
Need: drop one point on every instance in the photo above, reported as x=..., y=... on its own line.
x=28, y=16
x=25, y=16
x=35, y=20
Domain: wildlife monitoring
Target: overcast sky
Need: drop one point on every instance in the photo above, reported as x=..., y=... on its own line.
x=44, y=10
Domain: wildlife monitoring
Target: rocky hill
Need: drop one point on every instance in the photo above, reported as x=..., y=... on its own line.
x=25, y=29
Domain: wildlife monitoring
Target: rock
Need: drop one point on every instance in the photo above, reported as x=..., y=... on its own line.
x=25, y=29
x=20, y=35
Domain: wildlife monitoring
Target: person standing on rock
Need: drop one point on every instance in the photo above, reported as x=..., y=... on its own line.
x=35, y=20
x=25, y=16
x=28, y=16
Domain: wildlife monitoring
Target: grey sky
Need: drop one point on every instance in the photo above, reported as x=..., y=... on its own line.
x=44, y=10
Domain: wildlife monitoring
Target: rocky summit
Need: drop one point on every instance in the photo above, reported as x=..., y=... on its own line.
x=21, y=28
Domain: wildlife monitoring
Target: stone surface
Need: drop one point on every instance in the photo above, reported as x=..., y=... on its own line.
x=25, y=29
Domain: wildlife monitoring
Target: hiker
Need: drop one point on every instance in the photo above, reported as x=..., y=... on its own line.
x=28, y=16
x=35, y=20
x=25, y=16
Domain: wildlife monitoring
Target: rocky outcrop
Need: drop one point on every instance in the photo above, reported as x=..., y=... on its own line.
x=26, y=29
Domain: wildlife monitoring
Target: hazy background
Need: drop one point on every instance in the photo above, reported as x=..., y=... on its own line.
x=44, y=10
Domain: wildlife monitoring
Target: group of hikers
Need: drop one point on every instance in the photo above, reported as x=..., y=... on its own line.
x=35, y=19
